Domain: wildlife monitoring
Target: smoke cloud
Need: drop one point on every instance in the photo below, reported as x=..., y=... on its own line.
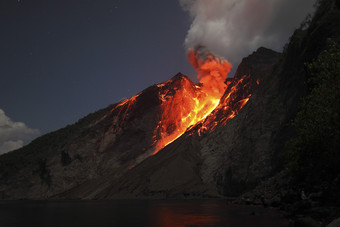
x=14, y=134
x=212, y=70
x=235, y=28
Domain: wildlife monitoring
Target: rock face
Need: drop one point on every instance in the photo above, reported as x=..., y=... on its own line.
x=250, y=147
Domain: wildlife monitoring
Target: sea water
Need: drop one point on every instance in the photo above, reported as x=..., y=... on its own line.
x=153, y=213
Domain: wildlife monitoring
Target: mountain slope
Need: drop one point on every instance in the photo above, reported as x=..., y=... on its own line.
x=111, y=140
x=187, y=167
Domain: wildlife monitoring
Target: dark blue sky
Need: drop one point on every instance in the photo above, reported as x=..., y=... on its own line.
x=61, y=60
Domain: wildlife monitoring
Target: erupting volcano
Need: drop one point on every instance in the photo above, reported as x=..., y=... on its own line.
x=191, y=103
x=185, y=106
x=140, y=147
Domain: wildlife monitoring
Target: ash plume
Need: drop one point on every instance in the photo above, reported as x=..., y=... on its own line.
x=235, y=28
x=212, y=69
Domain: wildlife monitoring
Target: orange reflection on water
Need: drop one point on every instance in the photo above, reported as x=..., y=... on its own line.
x=171, y=215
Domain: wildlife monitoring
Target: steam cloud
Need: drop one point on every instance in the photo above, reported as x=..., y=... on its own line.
x=235, y=28
x=13, y=134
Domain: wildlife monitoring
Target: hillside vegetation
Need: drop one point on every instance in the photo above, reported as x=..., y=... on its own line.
x=314, y=154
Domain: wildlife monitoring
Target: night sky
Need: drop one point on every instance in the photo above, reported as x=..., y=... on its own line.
x=63, y=59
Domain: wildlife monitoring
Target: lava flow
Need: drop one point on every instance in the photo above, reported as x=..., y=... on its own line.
x=192, y=102
x=186, y=106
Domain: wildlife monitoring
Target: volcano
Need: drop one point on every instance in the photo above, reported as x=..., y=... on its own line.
x=221, y=137
x=183, y=105
x=85, y=160
x=182, y=168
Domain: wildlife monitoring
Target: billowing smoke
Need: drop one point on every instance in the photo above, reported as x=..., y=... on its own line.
x=13, y=134
x=235, y=28
x=212, y=70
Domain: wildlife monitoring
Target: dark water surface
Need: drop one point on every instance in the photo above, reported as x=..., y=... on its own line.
x=153, y=213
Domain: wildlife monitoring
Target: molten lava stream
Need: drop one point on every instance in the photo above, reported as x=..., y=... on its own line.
x=192, y=102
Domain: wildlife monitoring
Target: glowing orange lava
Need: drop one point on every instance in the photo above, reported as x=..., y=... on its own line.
x=192, y=102
x=129, y=102
x=183, y=106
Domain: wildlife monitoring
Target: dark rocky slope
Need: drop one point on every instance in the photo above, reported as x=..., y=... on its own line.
x=193, y=165
x=109, y=141
x=310, y=189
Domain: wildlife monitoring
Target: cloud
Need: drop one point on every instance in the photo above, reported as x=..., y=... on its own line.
x=14, y=134
x=235, y=28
